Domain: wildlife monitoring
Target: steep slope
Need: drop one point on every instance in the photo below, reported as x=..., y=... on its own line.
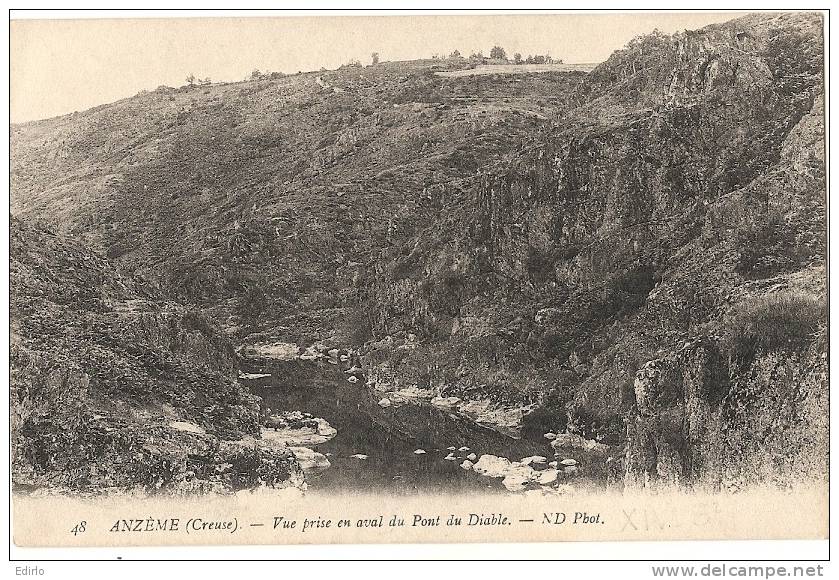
x=261, y=199
x=112, y=387
x=635, y=255
x=681, y=203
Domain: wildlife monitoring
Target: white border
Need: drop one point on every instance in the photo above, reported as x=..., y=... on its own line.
x=798, y=550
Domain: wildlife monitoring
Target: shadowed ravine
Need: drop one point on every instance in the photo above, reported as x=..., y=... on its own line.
x=389, y=437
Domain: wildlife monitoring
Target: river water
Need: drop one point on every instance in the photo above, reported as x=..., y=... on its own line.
x=387, y=436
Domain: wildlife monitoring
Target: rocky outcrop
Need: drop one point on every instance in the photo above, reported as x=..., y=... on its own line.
x=650, y=213
x=677, y=398
x=712, y=416
x=527, y=474
x=114, y=387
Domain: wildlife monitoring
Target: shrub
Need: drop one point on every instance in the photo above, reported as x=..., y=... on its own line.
x=776, y=322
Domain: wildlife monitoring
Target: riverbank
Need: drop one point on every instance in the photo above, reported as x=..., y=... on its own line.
x=403, y=441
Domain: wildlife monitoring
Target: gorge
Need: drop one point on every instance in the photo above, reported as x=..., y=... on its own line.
x=587, y=279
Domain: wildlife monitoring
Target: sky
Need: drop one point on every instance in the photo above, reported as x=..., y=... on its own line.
x=61, y=66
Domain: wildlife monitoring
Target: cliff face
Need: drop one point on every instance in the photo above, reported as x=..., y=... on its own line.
x=684, y=193
x=111, y=386
x=634, y=255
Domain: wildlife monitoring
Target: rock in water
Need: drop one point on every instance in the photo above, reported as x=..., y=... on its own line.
x=450, y=457
x=385, y=403
x=569, y=441
x=553, y=464
x=419, y=452
x=325, y=429
x=464, y=448
x=309, y=459
x=353, y=379
x=452, y=448
x=359, y=456
x=517, y=477
x=492, y=466
x=467, y=464
x=569, y=462
x=550, y=436
x=534, y=459
x=471, y=457
x=548, y=476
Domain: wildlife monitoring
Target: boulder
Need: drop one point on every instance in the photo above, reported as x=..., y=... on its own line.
x=187, y=427
x=447, y=403
x=311, y=353
x=548, y=476
x=410, y=394
x=505, y=420
x=385, y=403
x=534, y=459
x=471, y=457
x=492, y=466
x=309, y=459
x=467, y=464
x=517, y=477
x=298, y=432
x=572, y=441
x=325, y=429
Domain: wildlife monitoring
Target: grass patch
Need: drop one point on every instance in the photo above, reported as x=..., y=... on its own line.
x=777, y=322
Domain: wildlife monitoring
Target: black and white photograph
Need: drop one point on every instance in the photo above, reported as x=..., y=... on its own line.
x=438, y=277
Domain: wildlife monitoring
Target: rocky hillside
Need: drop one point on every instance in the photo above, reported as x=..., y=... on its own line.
x=114, y=387
x=674, y=219
x=634, y=255
x=264, y=200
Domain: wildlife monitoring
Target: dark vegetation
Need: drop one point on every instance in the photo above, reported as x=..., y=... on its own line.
x=777, y=322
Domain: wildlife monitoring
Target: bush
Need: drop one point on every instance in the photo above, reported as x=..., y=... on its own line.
x=776, y=322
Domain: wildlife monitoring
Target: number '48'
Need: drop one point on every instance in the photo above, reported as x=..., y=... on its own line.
x=78, y=528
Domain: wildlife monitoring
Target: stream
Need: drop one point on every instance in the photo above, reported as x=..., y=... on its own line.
x=387, y=436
